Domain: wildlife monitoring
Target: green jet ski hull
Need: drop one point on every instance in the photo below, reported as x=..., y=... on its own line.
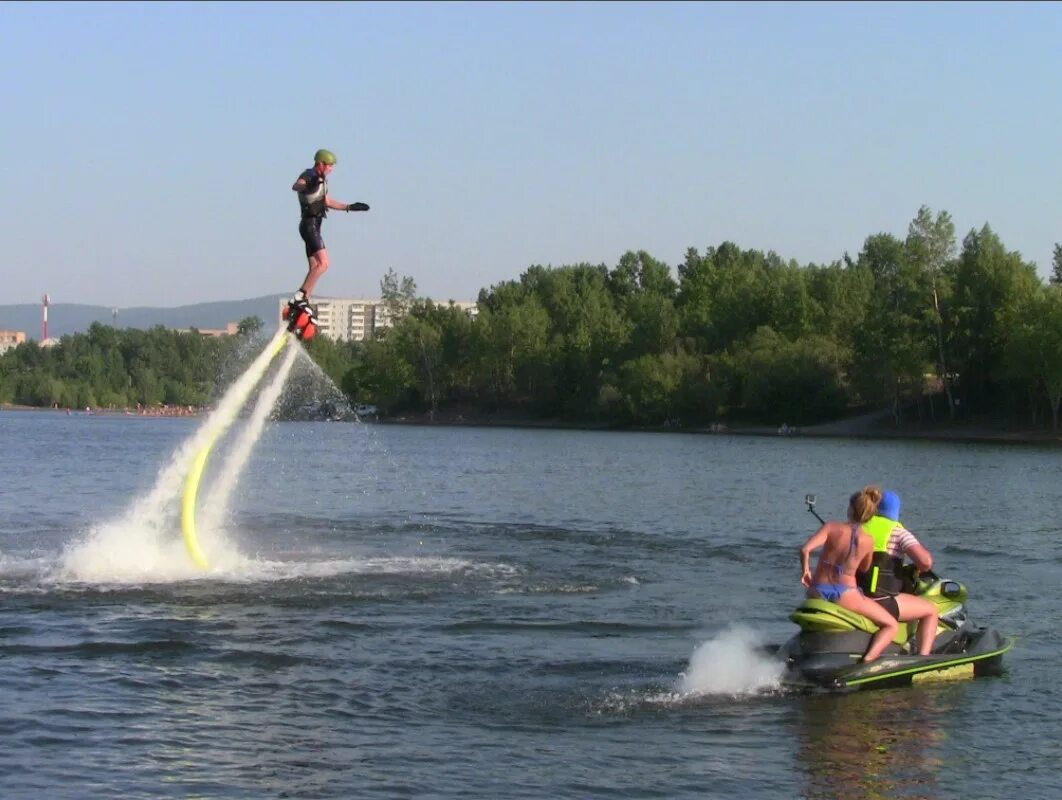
x=808, y=666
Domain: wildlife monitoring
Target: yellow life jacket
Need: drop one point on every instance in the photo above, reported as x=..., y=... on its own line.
x=884, y=575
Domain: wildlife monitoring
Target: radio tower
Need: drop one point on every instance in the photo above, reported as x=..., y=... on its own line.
x=44, y=322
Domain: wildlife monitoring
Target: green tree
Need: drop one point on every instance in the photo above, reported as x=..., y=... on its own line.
x=788, y=304
x=841, y=294
x=650, y=386
x=1034, y=345
x=644, y=292
x=988, y=279
x=512, y=341
x=654, y=324
x=797, y=382
x=459, y=355
x=398, y=294
x=1050, y=323
x=893, y=348
x=930, y=248
x=588, y=331
x=720, y=295
x=727, y=293
x=249, y=326
x=384, y=376
x=434, y=340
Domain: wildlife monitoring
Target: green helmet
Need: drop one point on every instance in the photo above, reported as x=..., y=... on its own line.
x=324, y=157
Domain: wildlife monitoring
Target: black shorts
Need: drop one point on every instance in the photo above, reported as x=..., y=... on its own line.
x=310, y=231
x=888, y=602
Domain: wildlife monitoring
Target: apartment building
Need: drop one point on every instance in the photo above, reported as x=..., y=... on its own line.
x=9, y=339
x=348, y=319
x=212, y=333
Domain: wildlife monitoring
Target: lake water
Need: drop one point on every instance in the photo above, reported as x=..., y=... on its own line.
x=495, y=613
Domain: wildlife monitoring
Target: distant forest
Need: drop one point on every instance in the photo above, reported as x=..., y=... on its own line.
x=919, y=324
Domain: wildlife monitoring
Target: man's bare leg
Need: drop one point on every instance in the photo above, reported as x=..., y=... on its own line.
x=318, y=266
x=914, y=607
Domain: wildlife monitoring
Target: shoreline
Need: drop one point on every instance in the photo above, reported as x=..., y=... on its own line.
x=144, y=411
x=875, y=426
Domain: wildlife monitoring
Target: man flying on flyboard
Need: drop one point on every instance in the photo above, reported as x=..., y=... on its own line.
x=314, y=202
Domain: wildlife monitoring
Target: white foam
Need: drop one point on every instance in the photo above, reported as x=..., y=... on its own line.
x=126, y=552
x=161, y=564
x=732, y=663
x=145, y=543
x=254, y=570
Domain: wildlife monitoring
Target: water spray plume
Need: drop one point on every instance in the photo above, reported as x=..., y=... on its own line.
x=732, y=663
x=191, y=485
x=215, y=504
x=140, y=545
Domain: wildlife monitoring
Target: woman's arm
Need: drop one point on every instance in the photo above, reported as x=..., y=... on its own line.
x=814, y=542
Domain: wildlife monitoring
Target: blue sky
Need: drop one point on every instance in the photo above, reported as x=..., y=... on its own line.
x=148, y=149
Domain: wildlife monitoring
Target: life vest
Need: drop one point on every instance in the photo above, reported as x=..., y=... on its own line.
x=312, y=203
x=885, y=575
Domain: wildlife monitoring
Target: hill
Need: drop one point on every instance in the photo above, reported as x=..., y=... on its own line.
x=68, y=318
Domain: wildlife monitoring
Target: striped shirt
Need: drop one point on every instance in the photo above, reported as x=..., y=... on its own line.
x=900, y=541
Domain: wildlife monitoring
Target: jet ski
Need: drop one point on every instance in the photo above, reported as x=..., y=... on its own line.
x=827, y=652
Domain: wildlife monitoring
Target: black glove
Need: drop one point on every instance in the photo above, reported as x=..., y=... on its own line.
x=312, y=183
x=358, y=207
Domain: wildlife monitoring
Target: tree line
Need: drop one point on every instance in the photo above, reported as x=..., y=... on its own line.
x=122, y=368
x=922, y=324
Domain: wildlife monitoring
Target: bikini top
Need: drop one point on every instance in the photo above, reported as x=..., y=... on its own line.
x=841, y=570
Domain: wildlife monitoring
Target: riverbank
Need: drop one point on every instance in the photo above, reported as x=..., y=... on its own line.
x=876, y=425
x=881, y=425
x=138, y=411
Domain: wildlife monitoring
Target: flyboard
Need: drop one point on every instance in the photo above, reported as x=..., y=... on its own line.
x=302, y=325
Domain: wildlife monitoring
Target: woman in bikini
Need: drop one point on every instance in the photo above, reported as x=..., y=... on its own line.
x=846, y=547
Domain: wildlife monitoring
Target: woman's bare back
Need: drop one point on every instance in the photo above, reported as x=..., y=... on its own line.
x=842, y=554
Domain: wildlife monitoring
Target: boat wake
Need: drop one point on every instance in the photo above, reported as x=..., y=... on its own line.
x=731, y=667
x=733, y=663
x=153, y=568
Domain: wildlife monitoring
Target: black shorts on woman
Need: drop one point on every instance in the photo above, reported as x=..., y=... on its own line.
x=889, y=603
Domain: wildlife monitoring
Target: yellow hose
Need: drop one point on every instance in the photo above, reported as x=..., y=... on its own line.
x=191, y=488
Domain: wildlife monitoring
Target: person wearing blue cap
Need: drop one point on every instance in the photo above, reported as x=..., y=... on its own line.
x=884, y=581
